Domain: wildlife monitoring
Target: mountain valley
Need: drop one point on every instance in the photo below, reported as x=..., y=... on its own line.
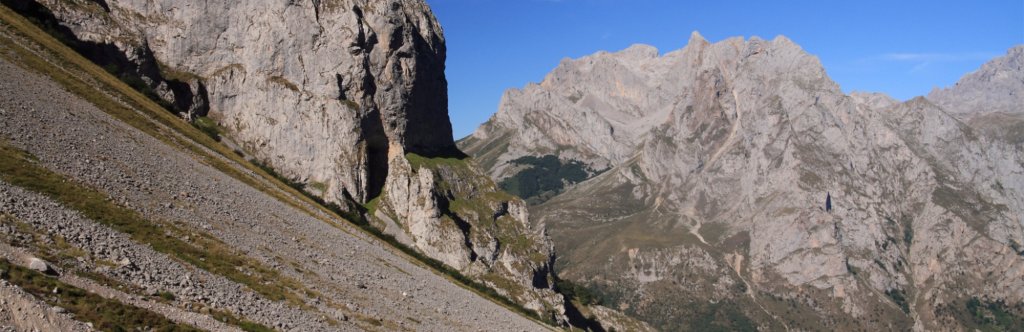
x=171, y=165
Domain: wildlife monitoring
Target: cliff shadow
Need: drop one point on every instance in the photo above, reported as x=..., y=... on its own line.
x=114, y=61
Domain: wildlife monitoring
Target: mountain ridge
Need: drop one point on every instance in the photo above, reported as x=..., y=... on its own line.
x=722, y=198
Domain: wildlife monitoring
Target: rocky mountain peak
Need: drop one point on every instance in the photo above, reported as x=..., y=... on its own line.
x=640, y=52
x=706, y=171
x=874, y=100
x=696, y=38
x=995, y=87
x=597, y=109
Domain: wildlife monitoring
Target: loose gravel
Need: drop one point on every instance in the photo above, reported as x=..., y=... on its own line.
x=362, y=283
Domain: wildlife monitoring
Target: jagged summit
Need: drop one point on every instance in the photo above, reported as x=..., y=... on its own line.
x=701, y=176
x=874, y=100
x=696, y=38
x=996, y=87
x=598, y=108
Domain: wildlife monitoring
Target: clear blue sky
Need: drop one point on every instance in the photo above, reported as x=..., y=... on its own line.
x=903, y=48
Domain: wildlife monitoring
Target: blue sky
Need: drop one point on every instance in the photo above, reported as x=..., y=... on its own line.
x=903, y=48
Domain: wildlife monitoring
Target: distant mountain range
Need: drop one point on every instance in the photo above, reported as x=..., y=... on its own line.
x=689, y=189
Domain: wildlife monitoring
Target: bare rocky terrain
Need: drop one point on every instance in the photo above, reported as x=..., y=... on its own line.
x=350, y=281
x=22, y=312
x=733, y=185
x=341, y=97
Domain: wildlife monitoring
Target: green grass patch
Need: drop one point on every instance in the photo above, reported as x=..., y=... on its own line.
x=899, y=297
x=52, y=248
x=103, y=313
x=975, y=314
x=544, y=177
x=166, y=296
x=418, y=161
x=992, y=316
x=577, y=292
x=20, y=169
x=318, y=186
x=208, y=127
x=245, y=325
x=351, y=104
x=170, y=73
x=372, y=205
x=162, y=296
x=722, y=317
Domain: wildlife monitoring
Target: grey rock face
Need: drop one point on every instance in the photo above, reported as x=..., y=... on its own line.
x=326, y=92
x=358, y=280
x=336, y=95
x=995, y=87
x=722, y=155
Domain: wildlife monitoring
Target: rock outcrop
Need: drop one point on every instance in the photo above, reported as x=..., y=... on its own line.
x=721, y=157
x=337, y=95
x=995, y=87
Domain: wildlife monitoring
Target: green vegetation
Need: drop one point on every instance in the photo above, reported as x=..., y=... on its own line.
x=418, y=161
x=544, y=177
x=52, y=248
x=21, y=169
x=319, y=186
x=104, y=314
x=301, y=187
x=899, y=297
x=351, y=104
x=908, y=236
x=165, y=295
x=45, y=245
x=208, y=127
x=579, y=293
x=992, y=316
x=721, y=316
x=172, y=74
x=1016, y=247
x=243, y=324
x=975, y=314
x=371, y=206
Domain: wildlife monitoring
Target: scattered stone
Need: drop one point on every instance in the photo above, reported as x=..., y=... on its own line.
x=40, y=265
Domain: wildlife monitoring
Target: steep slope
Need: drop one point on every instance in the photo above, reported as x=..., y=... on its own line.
x=145, y=220
x=990, y=98
x=336, y=96
x=995, y=87
x=713, y=212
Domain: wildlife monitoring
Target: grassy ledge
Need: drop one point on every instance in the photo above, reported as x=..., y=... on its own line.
x=103, y=313
x=56, y=250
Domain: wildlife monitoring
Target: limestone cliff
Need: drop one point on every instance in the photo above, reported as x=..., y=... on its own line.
x=721, y=157
x=337, y=95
